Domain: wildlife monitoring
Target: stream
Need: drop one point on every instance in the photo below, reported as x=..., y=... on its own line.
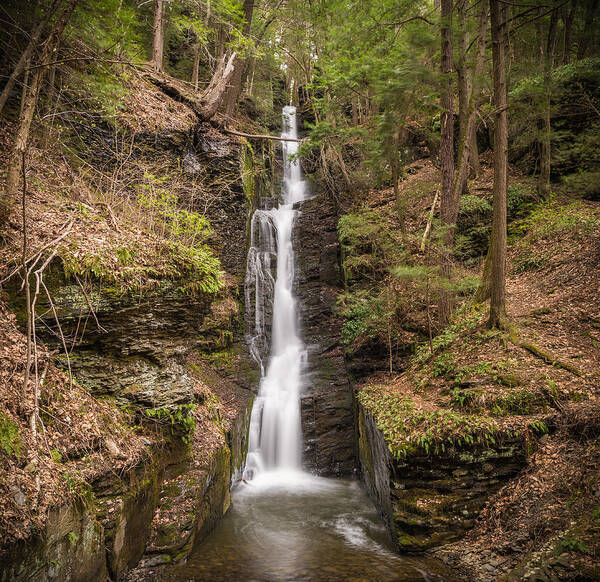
x=286, y=524
x=284, y=527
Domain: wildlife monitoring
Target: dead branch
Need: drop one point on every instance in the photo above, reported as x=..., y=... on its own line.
x=37, y=255
x=429, y=220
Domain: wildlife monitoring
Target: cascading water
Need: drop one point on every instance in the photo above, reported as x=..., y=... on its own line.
x=275, y=439
x=284, y=524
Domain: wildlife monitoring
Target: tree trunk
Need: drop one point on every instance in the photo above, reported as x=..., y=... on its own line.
x=217, y=89
x=195, y=71
x=9, y=196
x=467, y=134
x=237, y=78
x=568, y=16
x=465, y=89
x=588, y=33
x=474, y=163
x=26, y=55
x=158, y=35
x=497, y=254
x=546, y=141
x=447, y=211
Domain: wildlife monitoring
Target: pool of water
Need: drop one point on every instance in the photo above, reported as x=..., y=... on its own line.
x=292, y=526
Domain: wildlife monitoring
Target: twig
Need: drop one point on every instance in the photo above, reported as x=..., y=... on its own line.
x=37, y=255
x=90, y=306
x=62, y=337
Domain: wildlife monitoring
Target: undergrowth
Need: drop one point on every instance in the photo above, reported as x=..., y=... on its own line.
x=409, y=430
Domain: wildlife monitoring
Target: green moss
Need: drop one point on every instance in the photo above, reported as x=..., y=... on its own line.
x=409, y=543
x=517, y=402
x=10, y=441
x=248, y=173
x=510, y=380
x=551, y=359
x=409, y=429
x=179, y=419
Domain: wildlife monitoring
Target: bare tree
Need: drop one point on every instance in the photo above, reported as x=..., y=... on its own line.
x=215, y=92
x=9, y=196
x=26, y=54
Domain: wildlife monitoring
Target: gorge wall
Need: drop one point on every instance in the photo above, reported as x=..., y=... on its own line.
x=177, y=364
x=327, y=406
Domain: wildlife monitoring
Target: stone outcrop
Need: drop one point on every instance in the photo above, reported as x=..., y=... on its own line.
x=70, y=549
x=136, y=351
x=327, y=405
x=427, y=501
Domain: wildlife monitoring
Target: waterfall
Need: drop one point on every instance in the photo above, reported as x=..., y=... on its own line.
x=275, y=439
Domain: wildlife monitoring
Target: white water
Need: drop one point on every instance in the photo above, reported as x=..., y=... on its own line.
x=285, y=524
x=275, y=439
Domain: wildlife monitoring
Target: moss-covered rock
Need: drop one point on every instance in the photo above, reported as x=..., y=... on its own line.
x=428, y=500
x=70, y=549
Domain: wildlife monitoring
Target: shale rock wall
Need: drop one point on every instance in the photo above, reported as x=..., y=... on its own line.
x=327, y=405
x=427, y=501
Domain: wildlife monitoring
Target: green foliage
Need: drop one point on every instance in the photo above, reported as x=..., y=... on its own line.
x=76, y=485
x=475, y=216
x=178, y=253
x=10, y=441
x=550, y=222
x=518, y=402
x=551, y=219
x=56, y=456
x=443, y=365
x=367, y=313
x=538, y=427
x=583, y=184
x=522, y=197
x=369, y=244
x=470, y=205
x=201, y=269
x=179, y=419
x=72, y=538
x=409, y=430
x=571, y=94
x=463, y=321
x=572, y=544
x=184, y=225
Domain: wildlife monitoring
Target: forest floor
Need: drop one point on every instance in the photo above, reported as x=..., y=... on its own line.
x=539, y=378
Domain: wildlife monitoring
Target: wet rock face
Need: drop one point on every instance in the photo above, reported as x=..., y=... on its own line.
x=327, y=405
x=431, y=500
x=192, y=500
x=227, y=205
x=70, y=549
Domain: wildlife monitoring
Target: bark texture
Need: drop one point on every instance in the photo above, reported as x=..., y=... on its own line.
x=497, y=255
x=158, y=35
x=448, y=206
